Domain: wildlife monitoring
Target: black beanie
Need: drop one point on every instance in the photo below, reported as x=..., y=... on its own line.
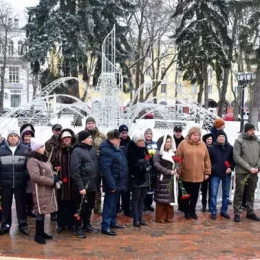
x=220, y=132
x=123, y=128
x=249, y=126
x=83, y=135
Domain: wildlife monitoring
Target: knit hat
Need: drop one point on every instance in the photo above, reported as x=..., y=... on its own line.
x=220, y=132
x=248, y=126
x=177, y=128
x=123, y=128
x=193, y=130
x=56, y=126
x=137, y=137
x=66, y=134
x=36, y=144
x=90, y=119
x=219, y=122
x=13, y=132
x=113, y=134
x=82, y=135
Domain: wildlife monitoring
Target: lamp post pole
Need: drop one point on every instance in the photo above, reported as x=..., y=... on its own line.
x=242, y=108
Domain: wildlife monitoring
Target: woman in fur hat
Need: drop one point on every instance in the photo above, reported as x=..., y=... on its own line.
x=139, y=167
x=195, y=168
x=164, y=166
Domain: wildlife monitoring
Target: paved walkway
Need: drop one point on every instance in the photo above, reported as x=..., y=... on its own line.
x=183, y=239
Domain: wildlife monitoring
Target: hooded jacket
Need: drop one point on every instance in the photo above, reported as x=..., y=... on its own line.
x=246, y=153
x=61, y=158
x=114, y=168
x=44, y=195
x=164, y=164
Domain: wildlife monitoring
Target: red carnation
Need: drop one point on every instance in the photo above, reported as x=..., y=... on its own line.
x=227, y=164
x=177, y=159
x=147, y=157
x=65, y=180
x=58, y=168
x=185, y=196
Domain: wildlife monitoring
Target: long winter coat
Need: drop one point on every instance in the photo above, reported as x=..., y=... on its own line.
x=13, y=173
x=246, y=153
x=139, y=166
x=163, y=164
x=114, y=168
x=44, y=196
x=219, y=154
x=61, y=157
x=84, y=168
x=51, y=143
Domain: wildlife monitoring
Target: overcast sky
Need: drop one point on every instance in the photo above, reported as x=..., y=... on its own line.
x=20, y=5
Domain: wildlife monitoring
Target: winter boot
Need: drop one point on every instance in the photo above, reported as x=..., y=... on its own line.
x=39, y=236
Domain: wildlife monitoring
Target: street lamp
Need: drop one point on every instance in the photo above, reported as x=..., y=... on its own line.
x=243, y=79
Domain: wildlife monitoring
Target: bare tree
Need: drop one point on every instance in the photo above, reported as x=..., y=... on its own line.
x=8, y=22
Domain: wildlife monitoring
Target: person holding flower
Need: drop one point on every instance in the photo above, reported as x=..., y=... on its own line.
x=246, y=154
x=60, y=160
x=165, y=168
x=195, y=168
x=139, y=167
x=221, y=156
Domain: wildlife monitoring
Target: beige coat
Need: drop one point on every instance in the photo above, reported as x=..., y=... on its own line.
x=44, y=196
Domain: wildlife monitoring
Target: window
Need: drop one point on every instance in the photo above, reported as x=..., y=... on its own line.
x=20, y=48
x=163, y=69
x=16, y=22
x=10, y=48
x=163, y=87
x=194, y=89
x=15, y=100
x=14, y=74
x=148, y=86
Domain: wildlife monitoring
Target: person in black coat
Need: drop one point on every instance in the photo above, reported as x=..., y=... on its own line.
x=139, y=168
x=13, y=178
x=221, y=156
x=84, y=173
x=114, y=172
x=125, y=196
x=205, y=185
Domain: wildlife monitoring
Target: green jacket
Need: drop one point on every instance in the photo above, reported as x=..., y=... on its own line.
x=246, y=153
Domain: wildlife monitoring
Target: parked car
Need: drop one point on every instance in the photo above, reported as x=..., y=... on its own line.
x=228, y=117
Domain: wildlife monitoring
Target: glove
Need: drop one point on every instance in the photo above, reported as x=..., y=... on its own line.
x=57, y=182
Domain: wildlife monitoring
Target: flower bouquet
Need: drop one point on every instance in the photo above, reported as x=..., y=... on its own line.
x=83, y=202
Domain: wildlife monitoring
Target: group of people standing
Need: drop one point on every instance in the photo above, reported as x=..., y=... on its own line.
x=64, y=176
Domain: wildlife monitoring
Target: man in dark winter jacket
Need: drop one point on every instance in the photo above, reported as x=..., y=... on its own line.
x=84, y=173
x=61, y=160
x=13, y=178
x=221, y=156
x=178, y=138
x=114, y=171
x=27, y=131
x=49, y=145
x=97, y=138
x=125, y=195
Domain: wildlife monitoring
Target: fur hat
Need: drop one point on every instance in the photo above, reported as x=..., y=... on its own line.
x=219, y=122
x=113, y=134
x=194, y=129
x=206, y=136
x=90, y=119
x=248, y=126
x=177, y=128
x=123, y=128
x=13, y=132
x=36, y=144
x=82, y=135
x=220, y=132
x=137, y=137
